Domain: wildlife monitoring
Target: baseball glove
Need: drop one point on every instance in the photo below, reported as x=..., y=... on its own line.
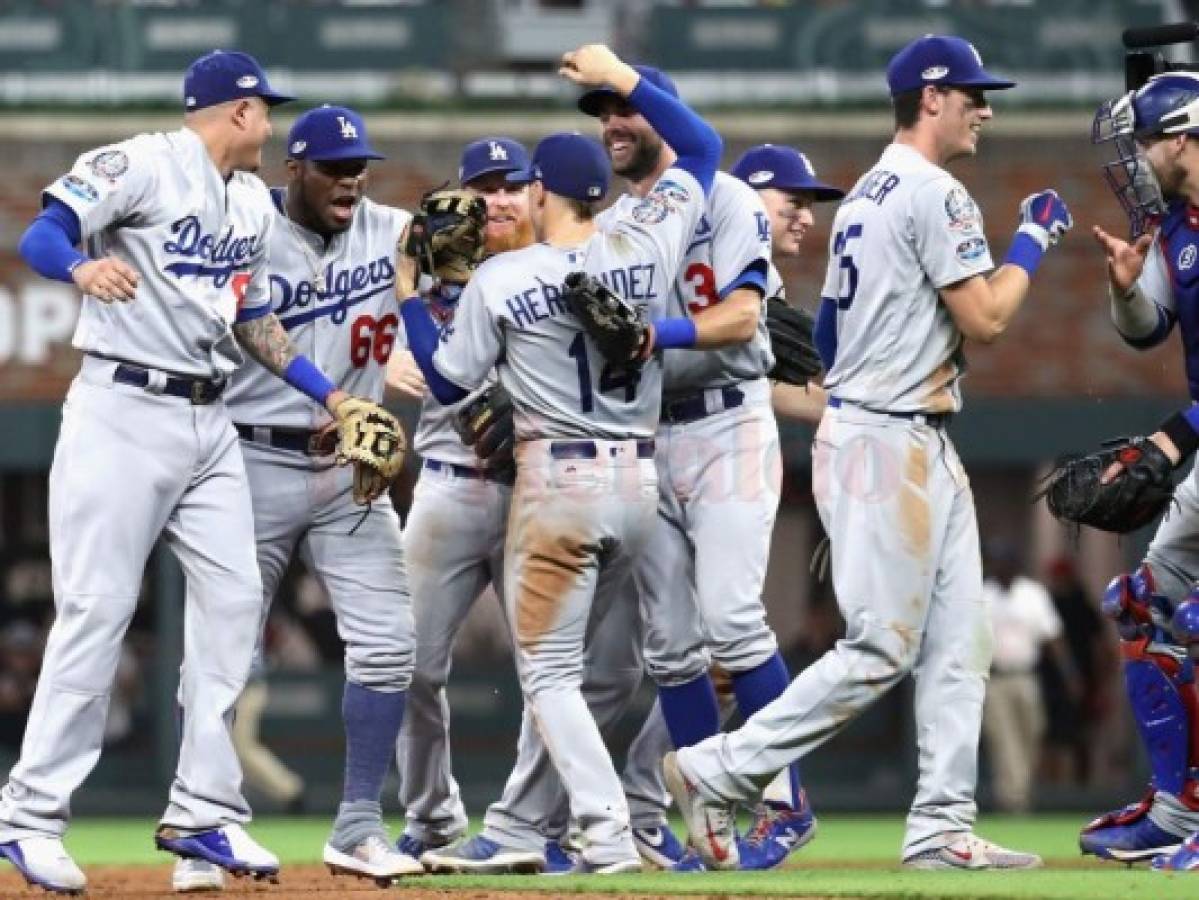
x=371, y=439
x=618, y=328
x=1133, y=498
x=485, y=423
x=795, y=356
x=446, y=236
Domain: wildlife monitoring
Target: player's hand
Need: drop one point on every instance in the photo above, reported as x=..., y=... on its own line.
x=1125, y=261
x=108, y=279
x=594, y=64
x=1045, y=218
x=406, y=270
x=404, y=375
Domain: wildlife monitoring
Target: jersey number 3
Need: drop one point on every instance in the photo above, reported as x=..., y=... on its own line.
x=610, y=379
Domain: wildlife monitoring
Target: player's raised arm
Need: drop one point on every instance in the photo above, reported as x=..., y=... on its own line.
x=695, y=141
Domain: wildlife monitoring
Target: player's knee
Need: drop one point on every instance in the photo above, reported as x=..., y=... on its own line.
x=1131, y=601
x=1185, y=622
x=887, y=650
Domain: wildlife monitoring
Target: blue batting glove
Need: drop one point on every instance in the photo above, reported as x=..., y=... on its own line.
x=1045, y=218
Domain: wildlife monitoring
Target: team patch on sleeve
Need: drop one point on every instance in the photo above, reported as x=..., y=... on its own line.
x=667, y=196
x=961, y=210
x=110, y=164
x=80, y=188
x=971, y=249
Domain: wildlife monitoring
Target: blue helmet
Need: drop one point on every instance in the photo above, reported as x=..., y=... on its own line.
x=1165, y=105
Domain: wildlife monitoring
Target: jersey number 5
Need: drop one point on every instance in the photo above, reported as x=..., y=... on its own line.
x=610, y=379
x=847, y=287
x=370, y=338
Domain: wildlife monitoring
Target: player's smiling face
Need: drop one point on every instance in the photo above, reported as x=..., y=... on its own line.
x=508, y=224
x=632, y=144
x=327, y=192
x=964, y=111
x=791, y=217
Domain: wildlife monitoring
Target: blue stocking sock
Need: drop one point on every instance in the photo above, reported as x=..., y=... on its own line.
x=690, y=710
x=372, y=721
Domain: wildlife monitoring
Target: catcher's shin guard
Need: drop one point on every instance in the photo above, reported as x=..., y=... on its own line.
x=1128, y=601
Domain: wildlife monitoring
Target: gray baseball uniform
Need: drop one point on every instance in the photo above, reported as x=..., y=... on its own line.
x=134, y=461
x=300, y=498
x=895, y=501
x=718, y=464
x=585, y=488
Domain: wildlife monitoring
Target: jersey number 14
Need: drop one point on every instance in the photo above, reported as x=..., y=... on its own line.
x=611, y=379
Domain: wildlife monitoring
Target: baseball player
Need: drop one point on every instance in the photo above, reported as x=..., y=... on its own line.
x=454, y=539
x=1152, y=286
x=585, y=489
x=332, y=286
x=905, y=286
x=173, y=280
x=700, y=579
x=786, y=181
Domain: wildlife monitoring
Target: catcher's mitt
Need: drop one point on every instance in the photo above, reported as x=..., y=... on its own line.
x=1135, y=497
x=795, y=356
x=370, y=438
x=485, y=423
x=618, y=328
x=446, y=236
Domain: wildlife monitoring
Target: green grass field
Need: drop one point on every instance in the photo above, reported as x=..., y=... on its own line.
x=852, y=856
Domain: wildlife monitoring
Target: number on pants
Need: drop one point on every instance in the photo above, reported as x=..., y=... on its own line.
x=701, y=277
x=611, y=378
x=372, y=339
x=848, y=286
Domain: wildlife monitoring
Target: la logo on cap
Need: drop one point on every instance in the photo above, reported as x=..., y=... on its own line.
x=348, y=131
x=497, y=151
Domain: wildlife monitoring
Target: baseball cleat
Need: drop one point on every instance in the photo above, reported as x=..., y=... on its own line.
x=482, y=855
x=374, y=858
x=659, y=847
x=620, y=867
x=778, y=831
x=710, y=825
x=558, y=859
x=1184, y=859
x=969, y=851
x=689, y=863
x=195, y=875
x=228, y=847
x=1128, y=835
x=45, y=863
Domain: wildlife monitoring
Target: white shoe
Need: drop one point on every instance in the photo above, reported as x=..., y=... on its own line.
x=971, y=852
x=710, y=825
x=197, y=875
x=373, y=858
x=45, y=863
x=228, y=847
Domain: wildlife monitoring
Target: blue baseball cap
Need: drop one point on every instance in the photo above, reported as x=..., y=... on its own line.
x=330, y=133
x=568, y=164
x=224, y=75
x=940, y=59
x=593, y=101
x=785, y=168
x=497, y=154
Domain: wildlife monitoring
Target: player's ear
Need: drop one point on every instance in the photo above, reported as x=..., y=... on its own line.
x=295, y=169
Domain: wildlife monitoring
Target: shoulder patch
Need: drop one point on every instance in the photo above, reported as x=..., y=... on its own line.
x=80, y=188
x=961, y=211
x=1186, y=259
x=110, y=164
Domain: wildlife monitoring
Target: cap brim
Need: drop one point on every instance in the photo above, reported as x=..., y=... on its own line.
x=821, y=193
x=592, y=102
x=521, y=176
x=489, y=170
x=273, y=99
x=345, y=153
x=985, y=81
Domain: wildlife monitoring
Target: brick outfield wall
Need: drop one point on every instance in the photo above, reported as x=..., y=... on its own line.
x=1062, y=343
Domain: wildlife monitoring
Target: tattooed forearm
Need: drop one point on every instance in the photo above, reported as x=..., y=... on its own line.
x=267, y=341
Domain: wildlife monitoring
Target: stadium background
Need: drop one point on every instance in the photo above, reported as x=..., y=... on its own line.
x=430, y=77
